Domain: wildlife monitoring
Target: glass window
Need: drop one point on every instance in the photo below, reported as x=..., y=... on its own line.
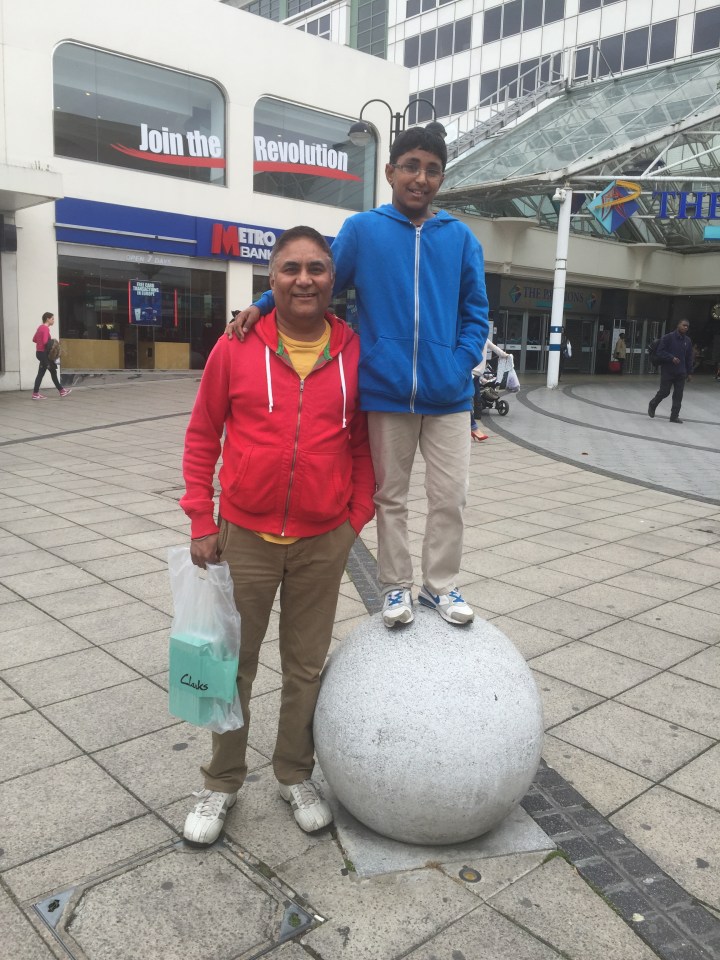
x=529, y=76
x=636, y=48
x=459, y=98
x=427, y=46
x=412, y=8
x=512, y=18
x=114, y=110
x=707, y=30
x=508, y=79
x=589, y=5
x=442, y=100
x=304, y=154
x=428, y=5
x=532, y=14
x=492, y=21
x=412, y=51
x=100, y=326
x=582, y=63
x=445, y=40
x=488, y=84
x=446, y=1
x=662, y=40
x=554, y=11
x=424, y=113
x=610, y=59
x=463, y=34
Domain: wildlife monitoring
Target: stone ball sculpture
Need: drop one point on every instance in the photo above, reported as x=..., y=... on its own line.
x=429, y=733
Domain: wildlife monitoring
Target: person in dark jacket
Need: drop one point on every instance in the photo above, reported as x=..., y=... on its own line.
x=675, y=352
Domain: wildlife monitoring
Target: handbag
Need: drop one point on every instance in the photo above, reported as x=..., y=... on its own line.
x=204, y=644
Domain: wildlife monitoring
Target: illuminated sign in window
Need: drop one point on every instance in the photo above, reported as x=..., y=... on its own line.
x=306, y=155
x=115, y=110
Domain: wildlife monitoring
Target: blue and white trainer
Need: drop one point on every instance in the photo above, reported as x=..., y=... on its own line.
x=450, y=606
x=397, y=607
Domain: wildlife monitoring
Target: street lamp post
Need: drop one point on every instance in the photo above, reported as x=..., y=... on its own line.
x=361, y=134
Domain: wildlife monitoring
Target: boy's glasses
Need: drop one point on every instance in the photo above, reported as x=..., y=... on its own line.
x=432, y=174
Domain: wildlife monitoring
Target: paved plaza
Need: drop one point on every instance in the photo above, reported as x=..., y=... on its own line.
x=592, y=542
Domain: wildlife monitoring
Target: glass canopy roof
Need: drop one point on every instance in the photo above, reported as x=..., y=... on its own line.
x=658, y=128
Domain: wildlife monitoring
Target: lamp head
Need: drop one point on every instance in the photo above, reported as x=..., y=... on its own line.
x=360, y=133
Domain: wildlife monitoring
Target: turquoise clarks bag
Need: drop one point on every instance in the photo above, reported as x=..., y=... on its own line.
x=204, y=644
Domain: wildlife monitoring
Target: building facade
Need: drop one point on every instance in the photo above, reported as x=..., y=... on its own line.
x=145, y=172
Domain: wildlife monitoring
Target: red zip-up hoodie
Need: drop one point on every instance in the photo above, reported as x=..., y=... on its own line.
x=296, y=458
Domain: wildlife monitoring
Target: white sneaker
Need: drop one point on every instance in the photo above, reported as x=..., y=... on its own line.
x=450, y=606
x=204, y=823
x=311, y=809
x=397, y=607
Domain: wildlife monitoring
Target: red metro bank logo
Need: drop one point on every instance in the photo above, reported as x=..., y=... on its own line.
x=300, y=156
x=189, y=149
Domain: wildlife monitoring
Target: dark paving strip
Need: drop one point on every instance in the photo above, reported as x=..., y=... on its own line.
x=570, y=392
x=658, y=910
x=673, y=923
x=496, y=426
x=58, y=434
x=527, y=402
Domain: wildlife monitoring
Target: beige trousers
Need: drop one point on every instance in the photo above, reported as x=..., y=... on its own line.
x=308, y=573
x=445, y=446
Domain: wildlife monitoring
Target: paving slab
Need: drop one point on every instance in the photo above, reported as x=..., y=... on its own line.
x=600, y=671
x=568, y=619
x=637, y=741
x=32, y=643
x=68, y=675
x=10, y=702
x=561, y=700
x=704, y=666
x=58, y=805
x=112, y=715
x=645, y=643
x=699, y=779
x=379, y=919
x=19, y=938
x=28, y=742
x=679, y=700
x=555, y=904
x=681, y=835
x=484, y=934
x=678, y=618
x=604, y=784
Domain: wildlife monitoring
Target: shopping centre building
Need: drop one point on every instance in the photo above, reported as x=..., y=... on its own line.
x=146, y=170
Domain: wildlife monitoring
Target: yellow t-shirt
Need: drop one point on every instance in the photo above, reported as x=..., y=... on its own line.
x=303, y=355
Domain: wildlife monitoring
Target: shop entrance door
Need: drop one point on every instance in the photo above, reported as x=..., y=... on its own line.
x=534, y=358
x=580, y=331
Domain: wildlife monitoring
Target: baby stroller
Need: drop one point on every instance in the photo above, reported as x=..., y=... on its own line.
x=490, y=386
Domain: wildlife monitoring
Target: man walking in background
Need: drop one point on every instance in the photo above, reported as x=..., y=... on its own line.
x=676, y=363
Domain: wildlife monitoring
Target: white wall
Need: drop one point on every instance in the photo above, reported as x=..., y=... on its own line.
x=248, y=56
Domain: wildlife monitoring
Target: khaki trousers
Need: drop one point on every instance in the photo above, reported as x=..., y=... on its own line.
x=445, y=446
x=308, y=573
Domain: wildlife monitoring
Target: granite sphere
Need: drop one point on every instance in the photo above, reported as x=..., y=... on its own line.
x=428, y=733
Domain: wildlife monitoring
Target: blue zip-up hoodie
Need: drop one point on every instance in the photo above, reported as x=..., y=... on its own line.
x=422, y=309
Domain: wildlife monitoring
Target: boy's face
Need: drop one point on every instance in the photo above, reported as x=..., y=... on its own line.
x=415, y=178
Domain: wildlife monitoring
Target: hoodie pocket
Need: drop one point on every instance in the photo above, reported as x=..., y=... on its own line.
x=387, y=369
x=323, y=484
x=257, y=485
x=440, y=380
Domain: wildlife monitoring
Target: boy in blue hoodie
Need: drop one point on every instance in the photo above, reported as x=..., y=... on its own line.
x=423, y=320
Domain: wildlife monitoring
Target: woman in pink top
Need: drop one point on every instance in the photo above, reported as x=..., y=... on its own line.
x=41, y=340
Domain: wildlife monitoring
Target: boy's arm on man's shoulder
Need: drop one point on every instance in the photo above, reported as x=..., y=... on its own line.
x=345, y=253
x=473, y=307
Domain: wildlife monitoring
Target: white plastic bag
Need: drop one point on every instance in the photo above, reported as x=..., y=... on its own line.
x=512, y=384
x=204, y=644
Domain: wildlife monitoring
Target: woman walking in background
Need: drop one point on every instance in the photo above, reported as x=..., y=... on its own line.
x=46, y=357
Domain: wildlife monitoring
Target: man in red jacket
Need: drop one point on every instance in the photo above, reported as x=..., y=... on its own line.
x=296, y=487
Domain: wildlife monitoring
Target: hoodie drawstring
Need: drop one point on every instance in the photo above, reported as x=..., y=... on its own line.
x=342, y=387
x=269, y=379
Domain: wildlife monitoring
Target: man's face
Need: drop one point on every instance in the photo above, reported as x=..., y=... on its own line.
x=51, y=321
x=415, y=178
x=302, y=282
x=683, y=327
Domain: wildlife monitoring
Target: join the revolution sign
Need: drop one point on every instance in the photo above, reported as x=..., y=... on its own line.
x=304, y=154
